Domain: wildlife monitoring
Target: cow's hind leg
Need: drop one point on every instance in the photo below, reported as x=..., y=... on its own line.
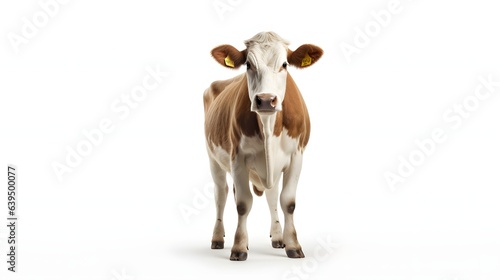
x=287, y=201
x=276, y=233
x=220, y=193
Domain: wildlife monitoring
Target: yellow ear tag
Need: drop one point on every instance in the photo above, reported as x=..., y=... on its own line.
x=307, y=60
x=228, y=61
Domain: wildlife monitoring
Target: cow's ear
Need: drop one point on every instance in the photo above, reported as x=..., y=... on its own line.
x=304, y=56
x=229, y=56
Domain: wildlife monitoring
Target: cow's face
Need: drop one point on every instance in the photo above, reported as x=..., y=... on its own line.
x=266, y=58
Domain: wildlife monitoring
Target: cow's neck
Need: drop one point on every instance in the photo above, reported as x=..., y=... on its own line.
x=267, y=127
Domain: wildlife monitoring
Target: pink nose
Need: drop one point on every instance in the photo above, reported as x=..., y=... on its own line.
x=266, y=102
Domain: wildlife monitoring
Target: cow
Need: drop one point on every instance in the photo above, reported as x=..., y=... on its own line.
x=256, y=129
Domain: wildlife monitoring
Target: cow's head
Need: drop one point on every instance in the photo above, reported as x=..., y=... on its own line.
x=267, y=58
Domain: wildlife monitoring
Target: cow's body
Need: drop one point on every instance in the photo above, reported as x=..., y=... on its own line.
x=233, y=131
x=256, y=143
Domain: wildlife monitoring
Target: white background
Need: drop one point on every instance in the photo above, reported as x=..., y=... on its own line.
x=117, y=214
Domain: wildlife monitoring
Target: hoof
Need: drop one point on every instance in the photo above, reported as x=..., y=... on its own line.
x=238, y=256
x=278, y=244
x=217, y=245
x=296, y=253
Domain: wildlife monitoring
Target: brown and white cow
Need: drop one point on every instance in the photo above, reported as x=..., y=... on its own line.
x=256, y=128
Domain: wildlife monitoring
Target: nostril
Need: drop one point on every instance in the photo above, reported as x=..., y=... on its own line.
x=259, y=101
x=274, y=101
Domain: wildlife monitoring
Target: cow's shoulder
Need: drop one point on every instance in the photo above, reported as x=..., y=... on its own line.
x=217, y=87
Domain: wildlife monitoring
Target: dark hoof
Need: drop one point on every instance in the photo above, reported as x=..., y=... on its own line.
x=296, y=253
x=238, y=256
x=278, y=244
x=217, y=245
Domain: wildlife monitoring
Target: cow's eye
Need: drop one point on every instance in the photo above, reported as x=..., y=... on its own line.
x=285, y=64
x=248, y=65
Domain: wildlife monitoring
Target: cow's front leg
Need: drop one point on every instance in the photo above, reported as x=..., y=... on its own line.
x=287, y=201
x=244, y=199
x=276, y=232
x=220, y=193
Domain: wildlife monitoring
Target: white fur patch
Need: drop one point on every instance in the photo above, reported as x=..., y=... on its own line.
x=252, y=150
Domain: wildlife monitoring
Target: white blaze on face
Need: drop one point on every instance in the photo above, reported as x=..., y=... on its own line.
x=266, y=70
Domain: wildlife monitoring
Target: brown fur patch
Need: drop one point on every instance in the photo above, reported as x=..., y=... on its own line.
x=228, y=115
x=294, y=116
x=214, y=90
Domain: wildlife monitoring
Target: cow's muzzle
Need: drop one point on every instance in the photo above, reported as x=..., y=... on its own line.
x=266, y=102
